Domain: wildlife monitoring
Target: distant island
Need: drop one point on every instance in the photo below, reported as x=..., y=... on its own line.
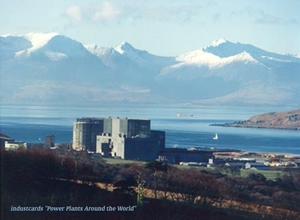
x=278, y=120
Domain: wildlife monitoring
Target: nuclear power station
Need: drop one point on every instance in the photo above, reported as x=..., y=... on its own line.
x=118, y=137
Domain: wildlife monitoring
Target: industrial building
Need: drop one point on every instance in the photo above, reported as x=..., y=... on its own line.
x=3, y=139
x=85, y=131
x=131, y=139
x=14, y=145
x=118, y=137
x=49, y=141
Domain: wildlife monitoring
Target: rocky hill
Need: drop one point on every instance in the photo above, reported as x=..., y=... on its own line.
x=278, y=120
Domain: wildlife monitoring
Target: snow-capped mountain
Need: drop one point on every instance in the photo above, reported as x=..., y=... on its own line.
x=227, y=72
x=48, y=57
x=55, y=68
x=9, y=45
x=231, y=61
x=129, y=60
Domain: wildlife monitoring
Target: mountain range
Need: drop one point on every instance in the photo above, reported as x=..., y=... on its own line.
x=53, y=68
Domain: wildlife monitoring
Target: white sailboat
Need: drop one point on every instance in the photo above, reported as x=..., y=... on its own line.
x=216, y=137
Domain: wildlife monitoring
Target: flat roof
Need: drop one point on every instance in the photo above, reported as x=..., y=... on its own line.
x=91, y=119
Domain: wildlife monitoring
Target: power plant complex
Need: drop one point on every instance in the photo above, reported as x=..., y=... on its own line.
x=122, y=138
x=132, y=139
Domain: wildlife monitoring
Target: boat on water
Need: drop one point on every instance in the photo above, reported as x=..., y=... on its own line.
x=216, y=137
x=180, y=115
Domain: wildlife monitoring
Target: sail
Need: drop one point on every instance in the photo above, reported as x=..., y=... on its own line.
x=215, y=137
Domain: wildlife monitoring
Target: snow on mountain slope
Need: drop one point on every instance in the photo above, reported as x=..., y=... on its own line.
x=54, y=46
x=39, y=39
x=224, y=48
x=97, y=50
x=142, y=57
x=221, y=49
x=125, y=55
x=228, y=70
x=20, y=44
x=199, y=64
x=232, y=61
x=10, y=44
x=109, y=56
x=132, y=66
x=53, y=57
x=223, y=72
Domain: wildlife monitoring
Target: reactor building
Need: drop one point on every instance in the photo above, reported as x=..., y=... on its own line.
x=85, y=131
x=130, y=139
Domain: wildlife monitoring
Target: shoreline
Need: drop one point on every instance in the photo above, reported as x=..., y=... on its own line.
x=234, y=125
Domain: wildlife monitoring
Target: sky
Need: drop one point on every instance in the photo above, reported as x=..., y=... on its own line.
x=162, y=27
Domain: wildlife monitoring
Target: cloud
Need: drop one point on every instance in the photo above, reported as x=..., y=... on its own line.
x=135, y=11
x=268, y=19
x=180, y=12
x=134, y=90
x=74, y=13
x=106, y=11
x=260, y=16
x=264, y=18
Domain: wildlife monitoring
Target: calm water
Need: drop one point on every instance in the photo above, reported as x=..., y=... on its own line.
x=29, y=123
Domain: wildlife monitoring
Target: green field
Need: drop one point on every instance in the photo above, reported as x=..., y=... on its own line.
x=121, y=161
x=269, y=174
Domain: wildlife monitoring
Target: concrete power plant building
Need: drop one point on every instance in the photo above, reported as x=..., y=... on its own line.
x=131, y=139
x=85, y=131
x=118, y=137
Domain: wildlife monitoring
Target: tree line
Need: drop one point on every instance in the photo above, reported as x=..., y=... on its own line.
x=155, y=179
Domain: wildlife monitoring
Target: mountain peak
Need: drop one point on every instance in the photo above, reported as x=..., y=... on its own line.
x=124, y=46
x=216, y=43
x=223, y=48
x=38, y=39
x=233, y=73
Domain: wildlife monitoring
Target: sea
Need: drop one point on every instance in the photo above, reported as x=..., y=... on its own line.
x=185, y=126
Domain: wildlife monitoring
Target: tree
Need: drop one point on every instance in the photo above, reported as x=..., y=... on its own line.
x=157, y=168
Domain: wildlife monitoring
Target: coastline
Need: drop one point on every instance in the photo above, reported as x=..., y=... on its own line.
x=236, y=125
x=288, y=120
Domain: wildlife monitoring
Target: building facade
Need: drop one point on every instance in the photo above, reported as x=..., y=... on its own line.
x=131, y=139
x=49, y=141
x=85, y=131
x=14, y=145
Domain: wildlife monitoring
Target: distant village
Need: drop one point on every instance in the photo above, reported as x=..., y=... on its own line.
x=133, y=139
